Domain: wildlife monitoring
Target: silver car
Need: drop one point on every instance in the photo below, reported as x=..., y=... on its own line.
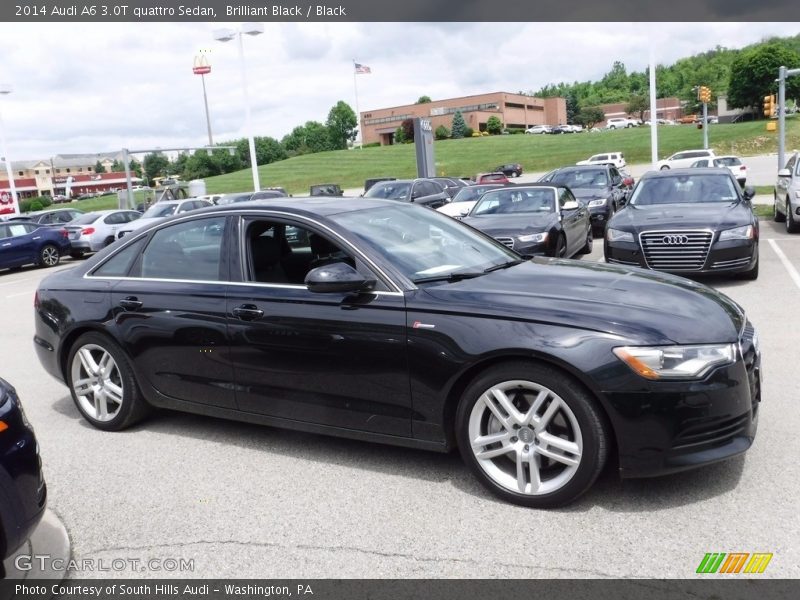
x=94, y=231
x=786, y=205
x=162, y=210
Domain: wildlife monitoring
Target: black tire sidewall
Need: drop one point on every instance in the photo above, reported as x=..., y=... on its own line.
x=41, y=256
x=587, y=413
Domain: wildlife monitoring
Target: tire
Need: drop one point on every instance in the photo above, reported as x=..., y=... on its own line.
x=49, y=256
x=121, y=404
x=564, y=471
x=664, y=168
x=792, y=226
x=561, y=247
x=108, y=241
x=777, y=216
x=587, y=247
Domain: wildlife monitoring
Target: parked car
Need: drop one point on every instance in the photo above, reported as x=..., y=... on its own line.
x=687, y=221
x=236, y=197
x=600, y=186
x=162, y=210
x=419, y=191
x=688, y=119
x=681, y=160
x=368, y=183
x=558, y=129
x=60, y=199
x=509, y=169
x=733, y=163
x=23, y=492
x=491, y=178
x=91, y=232
x=466, y=198
x=538, y=219
x=326, y=189
x=55, y=217
x=451, y=185
x=575, y=128
x=387, y=322
x=27, y=243
x=269, y=193
x=213, y=198
x=786, y=195
x=538, y=129
x=621, y=123
x=608, y=158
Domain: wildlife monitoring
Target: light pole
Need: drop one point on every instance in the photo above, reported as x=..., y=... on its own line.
x=202, y=67
x=226, y=35
x=6, y=89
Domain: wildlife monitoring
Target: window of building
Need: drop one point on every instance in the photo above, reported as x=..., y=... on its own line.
x=36, y=171
x=67, y=170
x=47, y=171
x=21, y=173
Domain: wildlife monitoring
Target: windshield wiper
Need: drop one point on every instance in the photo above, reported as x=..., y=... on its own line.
x=451, y=277
x=511, y=263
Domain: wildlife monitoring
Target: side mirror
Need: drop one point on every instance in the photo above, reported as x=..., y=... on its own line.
x=616, y=180
x=337, y=278
x=749, y=192
x=571, y=205
x=784, y=173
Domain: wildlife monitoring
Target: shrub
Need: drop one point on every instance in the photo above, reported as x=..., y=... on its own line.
x=45, y=200
x=371, y=145
x=24, y=205
x=476, y=134
x=459, y=127
x=484, y=133
x=469, y=132
x=494, y=126
x=398, y=136
x=441, y=133
x=35, y=205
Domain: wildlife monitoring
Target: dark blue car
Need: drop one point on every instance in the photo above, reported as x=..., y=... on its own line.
x=23, y=492
x=30, y=243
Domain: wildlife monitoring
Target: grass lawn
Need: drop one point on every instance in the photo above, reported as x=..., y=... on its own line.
x=107, y=202
x=466, y=157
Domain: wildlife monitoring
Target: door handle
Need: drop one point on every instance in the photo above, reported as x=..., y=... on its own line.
x=247, y=312
x=130, y=303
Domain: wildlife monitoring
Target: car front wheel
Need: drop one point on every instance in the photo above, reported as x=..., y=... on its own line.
x=49, y=256
x=791, y=224
x=777, y=216
x=531, y=435
x=102, y=383
x=587, y=247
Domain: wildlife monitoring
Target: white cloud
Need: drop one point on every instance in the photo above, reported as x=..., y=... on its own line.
x=100, y=87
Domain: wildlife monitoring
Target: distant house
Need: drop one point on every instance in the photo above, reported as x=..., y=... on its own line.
x=666, y=108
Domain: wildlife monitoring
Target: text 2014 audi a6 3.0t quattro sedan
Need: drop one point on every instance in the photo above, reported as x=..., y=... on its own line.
x=687, y=221
x=385, y=321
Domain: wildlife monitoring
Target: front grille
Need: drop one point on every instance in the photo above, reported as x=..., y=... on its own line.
x=729, y=264
x=506, y=241
x=676, y=250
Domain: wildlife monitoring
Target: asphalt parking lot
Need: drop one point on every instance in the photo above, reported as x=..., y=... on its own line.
x=248, y=501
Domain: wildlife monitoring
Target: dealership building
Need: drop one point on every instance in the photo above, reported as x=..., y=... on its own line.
x=513, y=110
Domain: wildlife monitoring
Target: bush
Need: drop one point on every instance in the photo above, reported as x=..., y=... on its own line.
x=484, y=133
x=44, y=200
x=459, y=127
x=476, y=134
x=371, y=145
x=35, y=205
x=494, y=125
x=399, y=137
x=24, y=205
x=441, y=133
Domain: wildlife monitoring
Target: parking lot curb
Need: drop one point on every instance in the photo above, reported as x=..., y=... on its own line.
x=49, y=539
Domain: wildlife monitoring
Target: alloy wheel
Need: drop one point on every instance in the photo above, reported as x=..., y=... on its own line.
x=49, y=256
x=97, y=382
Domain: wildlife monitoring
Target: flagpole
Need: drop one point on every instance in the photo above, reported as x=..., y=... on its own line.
x=358, y=114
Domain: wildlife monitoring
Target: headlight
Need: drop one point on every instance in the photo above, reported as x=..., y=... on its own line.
x=737, y=233
x=534, y=237
x=676, y=362
x=615, y=235
x=598, y=202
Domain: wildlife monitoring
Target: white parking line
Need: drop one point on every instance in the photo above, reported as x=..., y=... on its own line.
x=28, y=293
x=786, y=263
x=16, y=281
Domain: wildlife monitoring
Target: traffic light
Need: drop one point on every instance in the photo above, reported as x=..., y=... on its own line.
x=770, y=106
x=704, y=93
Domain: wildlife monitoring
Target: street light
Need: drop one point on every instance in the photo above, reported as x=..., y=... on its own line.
x=6, y=89
x=226, y=35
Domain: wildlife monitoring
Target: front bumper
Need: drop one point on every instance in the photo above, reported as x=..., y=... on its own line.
x=599, y=215
x=730, y=256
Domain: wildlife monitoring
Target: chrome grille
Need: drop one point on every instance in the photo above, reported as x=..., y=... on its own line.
x=729, y=264
x=506, y=241
x=676, y=250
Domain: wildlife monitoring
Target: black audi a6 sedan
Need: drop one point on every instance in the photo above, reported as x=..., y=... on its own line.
x=23, y=492
x=687, y=221
x=539, y=219
x=385, y=321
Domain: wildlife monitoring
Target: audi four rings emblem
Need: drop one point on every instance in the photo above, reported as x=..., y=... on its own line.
x=675, y=240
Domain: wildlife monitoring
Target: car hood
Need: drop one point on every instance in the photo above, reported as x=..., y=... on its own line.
x=456, y=209
x=587, y=193
x=637, y=305
x=512, y=224
x=141, y=222
x=708, y=215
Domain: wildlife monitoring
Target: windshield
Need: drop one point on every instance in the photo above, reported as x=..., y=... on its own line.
x=391, y=190
x=160, y=210
x=472, y=192
x=85, y=219
x=231, y=198
x=516, y=201
x=581, y=178
x=727, y=161
x=422, y=243
x=685, y=189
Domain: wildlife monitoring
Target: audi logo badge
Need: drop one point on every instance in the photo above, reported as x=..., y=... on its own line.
x=675, y=240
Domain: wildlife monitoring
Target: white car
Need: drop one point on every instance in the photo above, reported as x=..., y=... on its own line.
x=466, y=198
x=681, y=160
x=91, y=232
x=162, y=210
x=621, y=123
x=733, y=163
x=538, y=129
x=609, y=158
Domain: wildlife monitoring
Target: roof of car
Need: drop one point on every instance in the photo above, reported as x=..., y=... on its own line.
x=688, y=171
x=310, y=205
x=584, y=167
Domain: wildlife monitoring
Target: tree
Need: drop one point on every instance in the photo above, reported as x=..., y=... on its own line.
x=398, y=136
x=494, y=125
x=156, y=164
x=99, y=168
x=573, y=106
x=754, y=71
x=408, y=130
x=308, y=138
x=590, y=116
x=342, y=125
x=423, y=100
x=201, y=165
x=441, y=133
x=117, y=166
x=268, y=150
x=459, y=126
x=638, y=105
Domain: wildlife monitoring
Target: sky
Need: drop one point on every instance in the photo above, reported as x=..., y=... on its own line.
x=99, y=87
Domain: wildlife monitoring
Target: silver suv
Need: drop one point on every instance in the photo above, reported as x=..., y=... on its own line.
x=786, y=205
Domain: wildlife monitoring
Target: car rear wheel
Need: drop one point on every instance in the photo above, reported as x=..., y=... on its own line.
x=102, y=383
x=777, y=215
x=587, y=247
x=791, y=225
x=531, y=435
x=49, y=256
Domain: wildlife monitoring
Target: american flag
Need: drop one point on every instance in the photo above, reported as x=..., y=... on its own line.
x=362, y=69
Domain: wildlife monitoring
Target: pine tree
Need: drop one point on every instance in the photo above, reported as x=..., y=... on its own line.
x=459, y=126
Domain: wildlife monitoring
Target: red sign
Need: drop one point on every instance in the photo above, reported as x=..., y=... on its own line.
x=6, y=204
x=201, y=70
x=201, y=65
